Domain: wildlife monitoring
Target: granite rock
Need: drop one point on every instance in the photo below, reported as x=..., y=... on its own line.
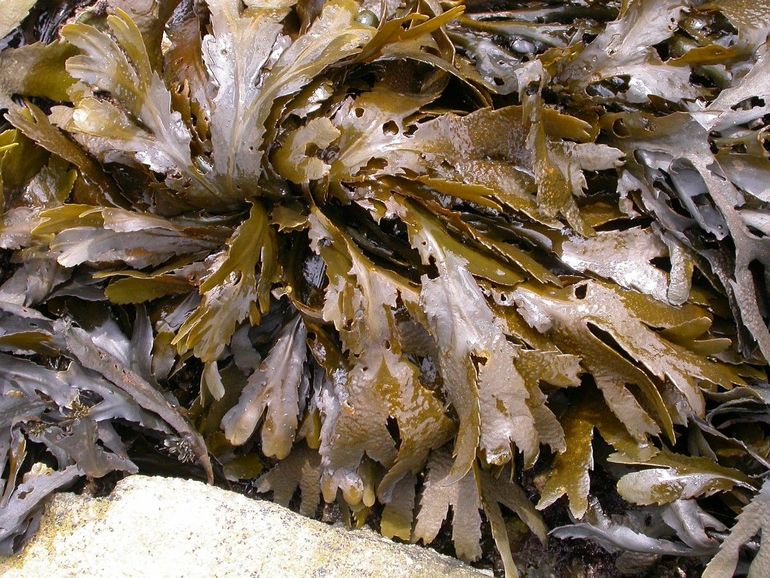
x=164, y=527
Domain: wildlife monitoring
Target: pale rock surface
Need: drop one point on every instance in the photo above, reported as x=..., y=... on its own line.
x=167, y=527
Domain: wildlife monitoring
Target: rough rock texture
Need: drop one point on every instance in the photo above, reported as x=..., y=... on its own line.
x=172, y=527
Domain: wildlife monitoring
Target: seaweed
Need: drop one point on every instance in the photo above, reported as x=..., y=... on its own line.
x=397, y=256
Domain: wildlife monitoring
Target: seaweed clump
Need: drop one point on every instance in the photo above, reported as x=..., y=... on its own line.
x=420, y=257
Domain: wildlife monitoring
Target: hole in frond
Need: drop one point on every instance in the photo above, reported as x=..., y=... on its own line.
x=662, y=263
x=390, y=128
x=479, y=361
x=392, y=426
x=619, y=128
